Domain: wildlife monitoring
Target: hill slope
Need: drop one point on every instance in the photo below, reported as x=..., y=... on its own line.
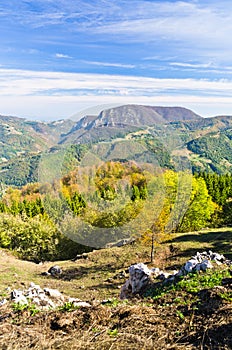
x=168, y=132
x=118, y=121
x=179, y=319
x=20, y=136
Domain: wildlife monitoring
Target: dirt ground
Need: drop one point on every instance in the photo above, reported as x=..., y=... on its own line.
x=137, y=324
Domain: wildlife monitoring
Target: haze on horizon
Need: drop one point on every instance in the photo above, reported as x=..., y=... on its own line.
x=58, y=58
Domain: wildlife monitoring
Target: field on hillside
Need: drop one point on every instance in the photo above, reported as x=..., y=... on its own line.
x=180, y=318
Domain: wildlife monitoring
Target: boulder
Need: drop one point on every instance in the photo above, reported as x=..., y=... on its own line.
x=191, y=264
x=55, y=270
x=53, y=293
x=139, y=277
x=140, y=274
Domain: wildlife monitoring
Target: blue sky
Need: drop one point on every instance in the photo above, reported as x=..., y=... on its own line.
x=60, y=57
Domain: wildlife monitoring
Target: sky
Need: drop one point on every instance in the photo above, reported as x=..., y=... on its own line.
x=60, y=58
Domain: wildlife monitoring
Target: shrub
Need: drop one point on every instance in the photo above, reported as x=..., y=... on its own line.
x=35, y=239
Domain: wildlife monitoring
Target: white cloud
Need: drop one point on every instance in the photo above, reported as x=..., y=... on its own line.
x=57, y=94
x=186, y=28
x=109, y=64
x=61, y=55
x=25, y=82
x=191, y=65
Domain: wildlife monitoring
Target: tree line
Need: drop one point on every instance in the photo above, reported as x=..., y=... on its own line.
x=30, y=216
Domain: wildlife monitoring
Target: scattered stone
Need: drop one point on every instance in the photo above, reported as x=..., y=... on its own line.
x=18, y=298
x=140, y=274
x=190, y=265
x=156, y=271
x=81, y=256
x=53, y=293
x=73, y=300
x=55, y=270
x=3, y=302
x=44, y=299
x=15, y=294
x=121, y=243
x=81, y=304
x=138, y=279
x=202, y=261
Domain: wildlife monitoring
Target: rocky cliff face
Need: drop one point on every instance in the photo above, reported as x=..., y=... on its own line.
x=137, y=115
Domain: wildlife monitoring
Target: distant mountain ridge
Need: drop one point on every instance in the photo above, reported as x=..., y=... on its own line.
x=205, y=142
x=118, y=120
x=21, y=136
x=139, y=115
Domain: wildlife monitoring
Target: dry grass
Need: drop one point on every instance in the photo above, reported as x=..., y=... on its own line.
x=122, y=327
x=139, y=324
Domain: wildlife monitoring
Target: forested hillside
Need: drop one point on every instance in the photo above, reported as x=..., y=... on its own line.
x=205, y=142
x=103, y=174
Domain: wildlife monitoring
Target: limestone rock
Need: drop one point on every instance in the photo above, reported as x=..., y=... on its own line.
x=140, y=274
x=53, y=293
x=139, y=277
x=55, y=270
x=3, y=302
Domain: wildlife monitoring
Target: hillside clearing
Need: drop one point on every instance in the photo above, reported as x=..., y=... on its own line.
x=177, y=320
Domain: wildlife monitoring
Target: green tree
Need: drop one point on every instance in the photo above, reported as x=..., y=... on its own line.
x=200, y=208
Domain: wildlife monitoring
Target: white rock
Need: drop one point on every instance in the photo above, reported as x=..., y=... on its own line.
x=139, y=277
x=81, y=304
x=16, y=294
x=206, y=264
x=35, y=286
x=21, y=300
x=218, y=257
x=3, y=302
x=190, y=264
x=141, y=268
x=53, y=293
x=73, y=300
x=156, y=271
x=36, y=300
x=55, y=270
x=218, y=262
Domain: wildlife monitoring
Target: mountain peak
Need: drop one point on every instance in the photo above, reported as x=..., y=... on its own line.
x=139, y=116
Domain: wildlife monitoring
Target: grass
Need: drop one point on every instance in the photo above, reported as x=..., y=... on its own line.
x=192, y=283
x=196, y=313
x=85, y=279
x=96, y=278
x=187, y=244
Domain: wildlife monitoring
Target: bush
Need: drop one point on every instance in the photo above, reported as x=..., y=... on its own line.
x=35, y=239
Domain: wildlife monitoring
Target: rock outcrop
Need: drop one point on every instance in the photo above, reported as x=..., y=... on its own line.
x=139, y=278
x=42, y=298
x=140, y=274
